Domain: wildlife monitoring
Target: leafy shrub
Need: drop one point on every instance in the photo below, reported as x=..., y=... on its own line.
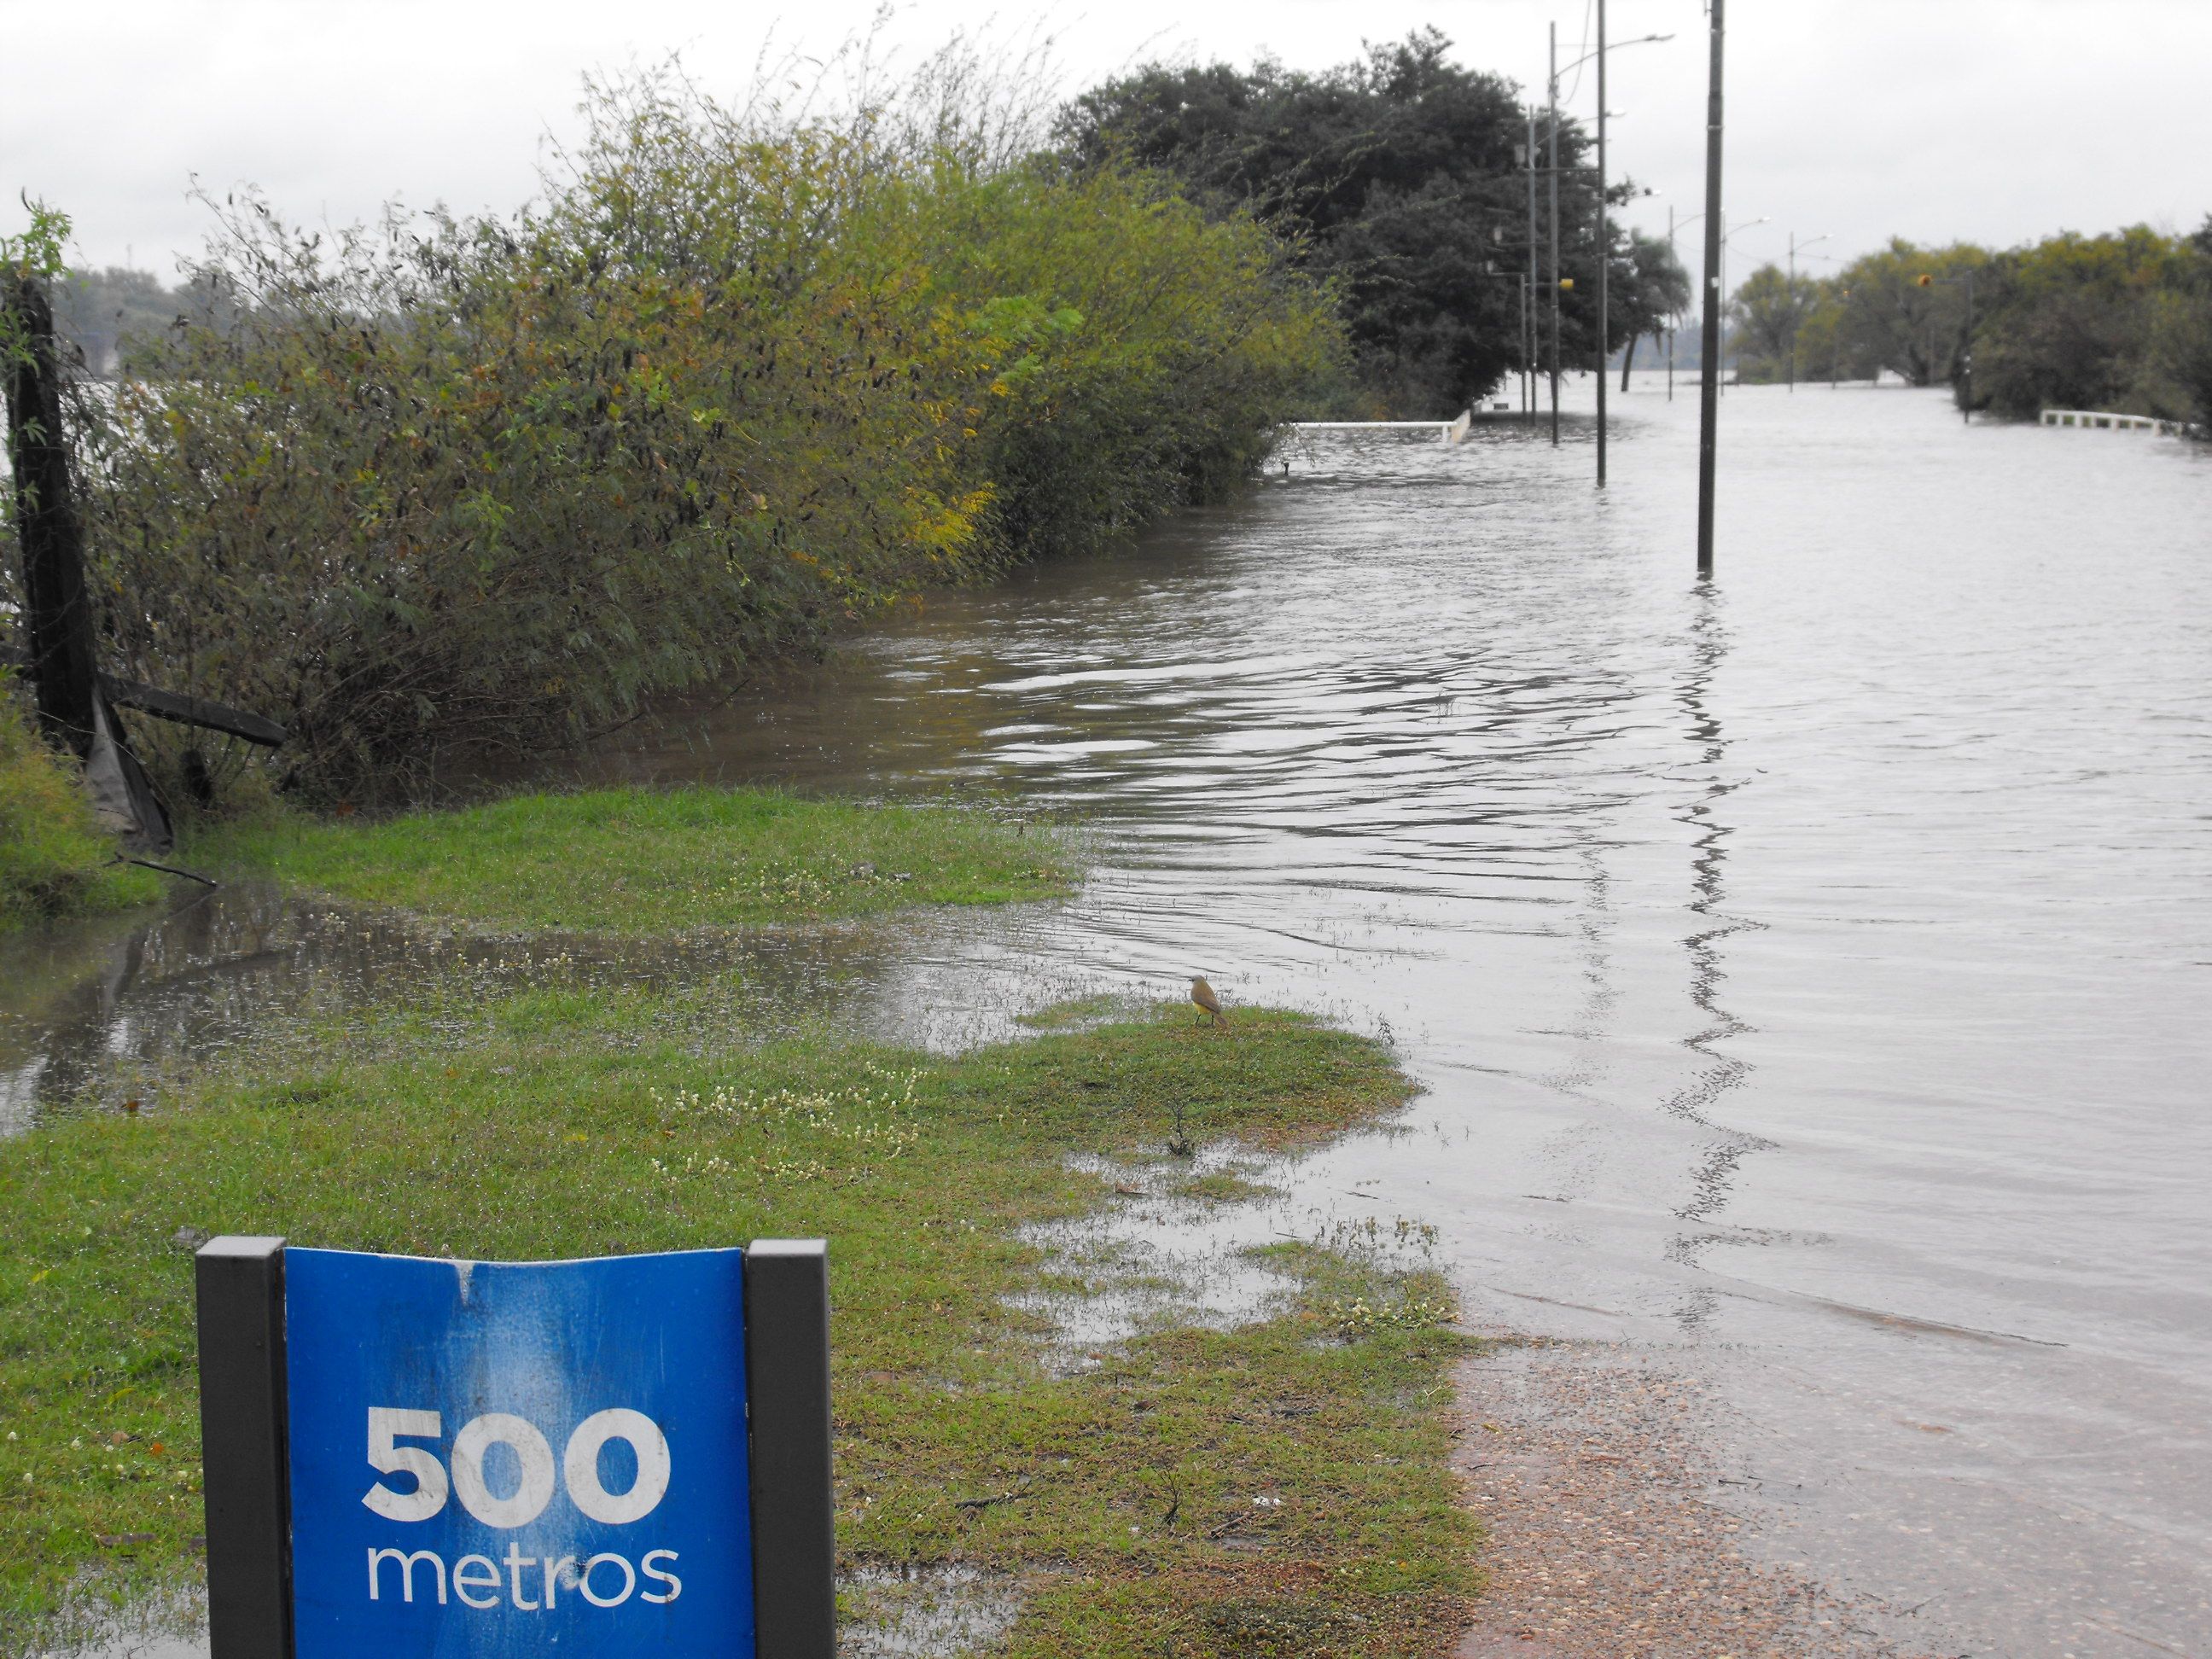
x=446, y=486
x=2069, y=322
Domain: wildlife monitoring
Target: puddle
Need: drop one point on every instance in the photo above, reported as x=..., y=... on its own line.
x=170, y=1626
x=937, y=1613
x=99, y=1017
x=1159, y=1255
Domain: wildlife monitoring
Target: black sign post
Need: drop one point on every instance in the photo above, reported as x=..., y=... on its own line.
x=240, y=1287
x=272, y=1484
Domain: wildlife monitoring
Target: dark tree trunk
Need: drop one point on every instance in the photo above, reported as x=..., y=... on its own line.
x=58, y=609
x=1627, y=362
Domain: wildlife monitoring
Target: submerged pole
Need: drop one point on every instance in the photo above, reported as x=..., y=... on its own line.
x=1604, y=248
x=1529, y=322
x=1670, y=321
x=1709, y=387
x=1555, y=159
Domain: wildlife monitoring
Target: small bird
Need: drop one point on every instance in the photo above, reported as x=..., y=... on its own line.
x=1202, y=995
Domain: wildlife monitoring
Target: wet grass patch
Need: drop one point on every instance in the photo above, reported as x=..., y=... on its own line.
x=55, y=864
x=646, y=862
x=1223, y=1186
x=1193, y=1492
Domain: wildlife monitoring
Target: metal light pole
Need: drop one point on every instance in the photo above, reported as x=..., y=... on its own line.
x=1728, y=243
x=1692, y=220
x=1554, y=83
x=1528, y=310
x=1604, y=238
x=1709, y=404
x=1604, y=247
x=1793, y=245
x=1966, y=358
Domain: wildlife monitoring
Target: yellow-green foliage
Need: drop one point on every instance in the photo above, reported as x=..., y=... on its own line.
x=451, y=485
x=52, y=862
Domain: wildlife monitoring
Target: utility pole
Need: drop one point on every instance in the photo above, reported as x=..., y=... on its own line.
x=1529, y=309
x=1604, y=248
x=1554, y=158
x=1709, y=403
x=1795, y=320
x=1670, y=326
x=1966, y=357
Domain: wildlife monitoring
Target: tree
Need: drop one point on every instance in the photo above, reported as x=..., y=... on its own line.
x=2074, y=322
x=1890, y=321
x=1655, y=291
x=1769, y=310
x=99, y=311
x=2184, y=336
x=1396, y=178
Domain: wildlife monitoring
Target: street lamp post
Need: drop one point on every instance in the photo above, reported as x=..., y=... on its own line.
x=1670, y=321
x=1966, y=360
x=1530, y=309
x=1727, y=241
x=1793, y=245
x=1674, y=225
x=1553, y=86
x=1604, y=246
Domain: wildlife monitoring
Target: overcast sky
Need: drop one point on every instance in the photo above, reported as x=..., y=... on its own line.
x=1996, y=120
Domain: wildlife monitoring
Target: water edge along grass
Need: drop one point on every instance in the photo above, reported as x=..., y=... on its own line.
x=1278, y=1487
x=641, y=861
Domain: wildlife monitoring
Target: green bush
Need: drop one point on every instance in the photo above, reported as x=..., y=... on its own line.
x=452, y=485
x=52, y=862
x=2071, y=322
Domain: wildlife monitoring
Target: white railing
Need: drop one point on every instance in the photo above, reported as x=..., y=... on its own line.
x=1450, y=432
x=2117, y=423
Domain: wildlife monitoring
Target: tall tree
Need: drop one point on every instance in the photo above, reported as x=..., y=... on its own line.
x=1890, y=319
x=2072, y=322
x=1649, y=290
x=1769, y=312
x=1396, y=176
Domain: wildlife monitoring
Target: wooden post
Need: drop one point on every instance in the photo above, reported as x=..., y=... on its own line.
x=57, y=607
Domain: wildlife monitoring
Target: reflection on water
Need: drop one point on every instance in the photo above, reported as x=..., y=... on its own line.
x=1720, y=1069
x=1807, y=973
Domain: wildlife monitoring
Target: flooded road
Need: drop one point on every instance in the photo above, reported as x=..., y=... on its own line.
x=1809, y=975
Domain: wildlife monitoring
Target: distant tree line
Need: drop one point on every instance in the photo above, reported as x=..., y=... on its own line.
x=109, y=312
x=2121, y=321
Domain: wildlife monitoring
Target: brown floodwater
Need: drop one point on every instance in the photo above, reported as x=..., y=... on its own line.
x=1808, y=972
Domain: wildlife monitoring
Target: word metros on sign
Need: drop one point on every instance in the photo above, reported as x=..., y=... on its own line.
x=494, y=1457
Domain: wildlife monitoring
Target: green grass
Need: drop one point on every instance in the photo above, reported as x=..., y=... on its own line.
x=1120, y=1499
x=54, y=863
x=646, y=862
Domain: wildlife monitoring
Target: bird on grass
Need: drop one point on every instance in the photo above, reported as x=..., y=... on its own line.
x=1210, y=1004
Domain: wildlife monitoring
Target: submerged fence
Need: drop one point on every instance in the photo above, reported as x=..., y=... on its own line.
x=1450, y=432
x=2117, y=423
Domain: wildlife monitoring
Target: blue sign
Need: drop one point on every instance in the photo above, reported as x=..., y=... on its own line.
x=491, y=1458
